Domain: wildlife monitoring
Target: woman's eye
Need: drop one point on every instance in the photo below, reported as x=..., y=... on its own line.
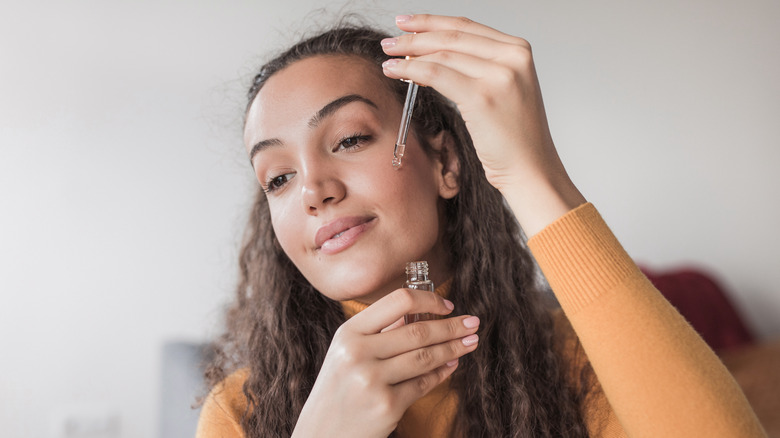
x=277, y=182
x=352, y=142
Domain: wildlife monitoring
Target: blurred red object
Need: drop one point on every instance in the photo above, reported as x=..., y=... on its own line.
x=706, y=306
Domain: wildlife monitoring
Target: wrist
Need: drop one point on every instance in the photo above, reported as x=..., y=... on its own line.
x=538, y=201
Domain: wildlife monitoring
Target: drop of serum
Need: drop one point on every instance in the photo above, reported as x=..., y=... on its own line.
x=398, y=154
x=417, y=278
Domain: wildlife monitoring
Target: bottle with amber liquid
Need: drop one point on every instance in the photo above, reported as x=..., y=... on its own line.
x=417, y=278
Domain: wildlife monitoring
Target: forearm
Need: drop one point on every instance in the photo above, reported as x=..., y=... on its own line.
x=538, y=201
x=658, y=374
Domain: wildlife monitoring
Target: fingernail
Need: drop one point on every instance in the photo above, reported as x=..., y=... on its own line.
x=452, y=363
x=388, y=42
x=470, y=340
x=471, y=322
x=390, y=63
x=403, y=18
x=448, y=304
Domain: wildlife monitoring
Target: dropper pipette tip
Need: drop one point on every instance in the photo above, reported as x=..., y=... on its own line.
x=398, y=154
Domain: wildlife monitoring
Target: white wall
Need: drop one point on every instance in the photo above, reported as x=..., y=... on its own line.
x=123, y=184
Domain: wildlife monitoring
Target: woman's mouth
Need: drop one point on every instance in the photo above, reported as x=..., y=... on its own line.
x=341, y=233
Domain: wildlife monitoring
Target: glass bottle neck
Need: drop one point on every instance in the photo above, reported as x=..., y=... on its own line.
x=417, y=277
x=417, y=271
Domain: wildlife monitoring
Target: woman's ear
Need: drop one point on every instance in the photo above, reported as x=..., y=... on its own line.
x=449, y=181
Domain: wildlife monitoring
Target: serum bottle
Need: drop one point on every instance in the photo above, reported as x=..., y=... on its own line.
x=417, y=278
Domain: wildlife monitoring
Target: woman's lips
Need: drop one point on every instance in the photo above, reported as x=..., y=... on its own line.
x=341, y=233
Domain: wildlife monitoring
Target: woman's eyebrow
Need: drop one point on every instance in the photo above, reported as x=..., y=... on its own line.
x=315, y=120
x=335, y=105
x=260, y=145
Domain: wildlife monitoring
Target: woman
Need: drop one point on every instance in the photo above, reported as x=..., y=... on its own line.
x=316, y=344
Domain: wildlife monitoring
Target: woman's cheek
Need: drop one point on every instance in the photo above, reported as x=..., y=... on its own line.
x=286, y=227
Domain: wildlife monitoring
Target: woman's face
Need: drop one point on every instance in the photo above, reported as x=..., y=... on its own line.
x=321, y=134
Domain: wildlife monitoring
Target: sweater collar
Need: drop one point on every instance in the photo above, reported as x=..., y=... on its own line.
x=353, y=307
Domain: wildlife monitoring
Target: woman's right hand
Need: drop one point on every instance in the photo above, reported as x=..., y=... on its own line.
x=375, y=369
x=491, y=77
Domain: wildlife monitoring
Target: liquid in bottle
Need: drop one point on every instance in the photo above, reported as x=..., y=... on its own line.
x=417, y=278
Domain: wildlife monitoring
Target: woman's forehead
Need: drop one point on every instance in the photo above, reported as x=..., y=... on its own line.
x=296, y=93
x=318, y=79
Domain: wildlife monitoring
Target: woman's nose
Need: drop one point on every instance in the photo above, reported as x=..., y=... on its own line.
x=320, y=189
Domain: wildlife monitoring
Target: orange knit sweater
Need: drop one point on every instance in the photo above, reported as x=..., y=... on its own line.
x=659, y=378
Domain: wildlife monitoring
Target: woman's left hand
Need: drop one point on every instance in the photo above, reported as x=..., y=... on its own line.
x=491, y=77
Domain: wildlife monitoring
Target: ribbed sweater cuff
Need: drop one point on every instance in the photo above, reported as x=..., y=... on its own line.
x=581, y=258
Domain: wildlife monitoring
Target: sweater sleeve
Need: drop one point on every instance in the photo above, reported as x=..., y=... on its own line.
x=221, y=414
x=658, y=375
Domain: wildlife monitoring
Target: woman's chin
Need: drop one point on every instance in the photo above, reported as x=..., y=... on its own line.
x=367, y=292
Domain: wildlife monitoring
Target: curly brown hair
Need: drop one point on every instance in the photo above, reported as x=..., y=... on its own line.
x=516, y=384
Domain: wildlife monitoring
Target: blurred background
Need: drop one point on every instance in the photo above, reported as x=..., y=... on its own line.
x=124, y=185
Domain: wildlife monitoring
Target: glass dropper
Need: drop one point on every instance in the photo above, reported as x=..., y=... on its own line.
x=403, y=131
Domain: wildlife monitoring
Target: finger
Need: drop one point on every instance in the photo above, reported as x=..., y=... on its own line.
x=427, y=22
x=398, y=323
x=454, y=41
x=395, y=305
x=418, y=362
x=423, y=334
x=411, y=390
x=471, y=66
x=447, y=81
